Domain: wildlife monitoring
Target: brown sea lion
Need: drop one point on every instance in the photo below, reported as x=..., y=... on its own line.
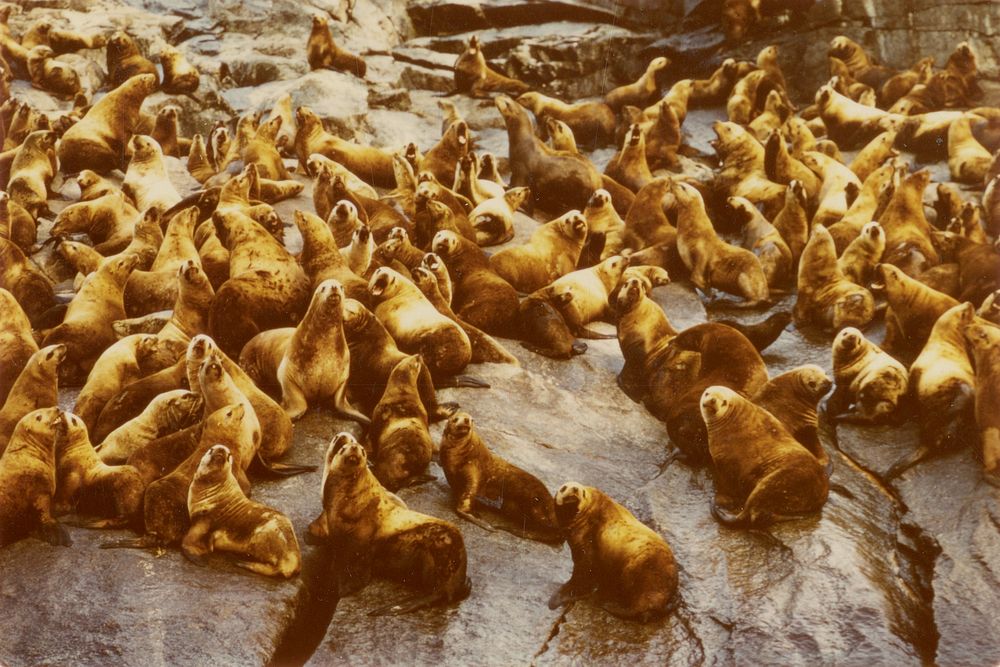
x=474, y=77
x=592, y=123
x=552, y=251
x=474, y=472
x=968, y=160
x=17, y=345
x=863, y=254
x=373, y=532
x=984, y=342
x=224, y=519
x=28, y=480
x=858, y=62
x=641, y=92
x=793, y=397
x=110, y=221
x=628, y=166
x=179, y=76
x=582, y=296
x=323, y=53
x=29, y=285
x=36, y=387
x=321, y=259
x=167, y=413
x=762, y=475
x=32, y=171
x=826, y=297
x=124, y=60
x=913, y=310
x=442, y=158
x=629, y=566
x=122, y=363
x=866, y=378
x=763, y=240
x=372, y=164
x=51, y=75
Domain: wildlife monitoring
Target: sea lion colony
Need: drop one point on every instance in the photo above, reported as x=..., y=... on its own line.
x=393, y=295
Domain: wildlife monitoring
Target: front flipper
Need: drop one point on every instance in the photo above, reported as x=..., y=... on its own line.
x=469, y=516
x=55, y=534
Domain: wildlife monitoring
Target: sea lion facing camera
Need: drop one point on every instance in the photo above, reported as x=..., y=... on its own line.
x=629, y=566
x=984, y=341
x=867, y=378
x=371, y=531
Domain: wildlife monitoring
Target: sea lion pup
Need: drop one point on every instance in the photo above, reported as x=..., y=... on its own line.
x=477, y=79
x=944, y=385
x=764, y=241
x=542, y=329
x=629, y=566
x=826, y=298
x=98, y=140
x=146, y=179
x=763, y=474
x=863, y=254
x=110, y=222
x=968, y=161
x=168, y=413
x=323, y=53
x=93, y=185
x=792, y=221
x=742, y=173
x=400, y=443
x=858, y=62
x=592, y=123
x=179, y=76
x=793, y=397
x=480, y=296
x=638, y=93
x=913, y=308
x=984, y=342
x=552, y=251
x=715, y=264
x=49, y=74
x=557, y=181
x=493, y=219
x=166, y=132
x=867, y=379
x=372, y=532
x=28, y=480
x=416, y=325
x=602, y=218
x=36, y=387
x=224, y=519
x=32, y=171
x=88, y=486
x=373, y=165
x=119, y=365
x=17, y=345
x=124, y=60
x=87, y=329
x=474, y=472
x=628, y=166
x=582, y=295
x=442, y=158
x=309, y=362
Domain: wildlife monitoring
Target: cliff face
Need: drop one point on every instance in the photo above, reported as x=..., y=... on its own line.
x=900, y=573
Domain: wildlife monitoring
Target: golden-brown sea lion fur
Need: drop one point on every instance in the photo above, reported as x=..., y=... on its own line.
x=826, y=298
x=867, y=379
x=552, y=251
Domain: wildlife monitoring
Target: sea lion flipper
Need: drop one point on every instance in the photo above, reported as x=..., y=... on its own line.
x=55, y=534
x=469, y=516
x=726, y=517
x=460, y=381
x=342, y=407
x=282, y=469
x=570, y=592
x=584, y=332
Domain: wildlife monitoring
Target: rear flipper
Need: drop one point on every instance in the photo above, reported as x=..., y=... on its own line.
x=460, y=381
x=472, y=518
x=147, y=541
x=55, y=534
x=584, y=332
x=276, y=469
x=913, y=458
x=571, y=591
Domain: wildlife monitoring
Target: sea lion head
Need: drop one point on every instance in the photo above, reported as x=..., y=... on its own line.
x=362, y=235
x=814, y=381
x=445, y=243
x=655, y=276
x=87, y=179
x=459, y=426
x=38, y=426
x=890, y=275
x=656, y=64
x=408, y=368
x=122, y=267
x=382, y=283
x=874, y=233
x=458, y=132
x=215, y=465
x=329, y=295
x=634, y=135
x=572, y=499
x=40, y=52
x=190, y=273
x=982, y=337
x=542, y=325
x=211, y=371
x=168, y=112
x=507, y=107
x=345, y=455
x=345, y=211
x=573, y=226
x=142, y=147
x=73, y=429
x=181, y=405
x=50, y=357
x=473, y=44
x=632, y=292
x=433, y=262
x=598, y=200
x=356, y=316
x=425, y=281
x=848, y=340
x=841, y=47
x=717, y=402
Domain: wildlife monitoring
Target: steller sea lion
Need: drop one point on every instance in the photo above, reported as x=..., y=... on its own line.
x=866, y=378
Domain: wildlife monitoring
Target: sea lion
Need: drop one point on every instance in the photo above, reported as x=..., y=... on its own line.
x=189, y=316
x=713, y=262
x=224, y=519
x=638, y=93
x=849, y=123
x=29, y=285
x=442, y=158
x=323, y=53
x=371, y=164
x=763, y=474
x=28, y=480
x=133, y=399
x=98, y=140
x=399, y=440
x=93, y=185
x=863, y=254
x=110, y=221
x=558, y=181
x=781, y=166
x=358, y=253
x=592, y=123
x=474, y=472
x=552, y=251
x=310, y=362
x=582, y=296
x=146, y=179
x=743, y=173
x=984, y=341
x=944, y=385
x=474, y=77
x=629, y=566
x=179, y=76
x=17, y=345
x=32, y=171
x=88, y=486
x=124, y=60
x=51, y=75
x=838, y=181
x=968, y=160
x=371, y=531
x=643, y=332
x=866, y=378
x=826, y=297
x=493, y=218
x=321, y=259
x=87, y=329
x=166, y=131
x=542, y=329
x=17, y=224
x=469, y=184
x=480, y=296
x=118, y=366
x=792, y=221
x=874, y=154
x=169, y=412
x=416, y=325
x=913, y=309
x=858, y=62
x=36, y=387
x=603, y=219
x=793, y=397
x=261, y=152
x=628, y=166
x=763, y=240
